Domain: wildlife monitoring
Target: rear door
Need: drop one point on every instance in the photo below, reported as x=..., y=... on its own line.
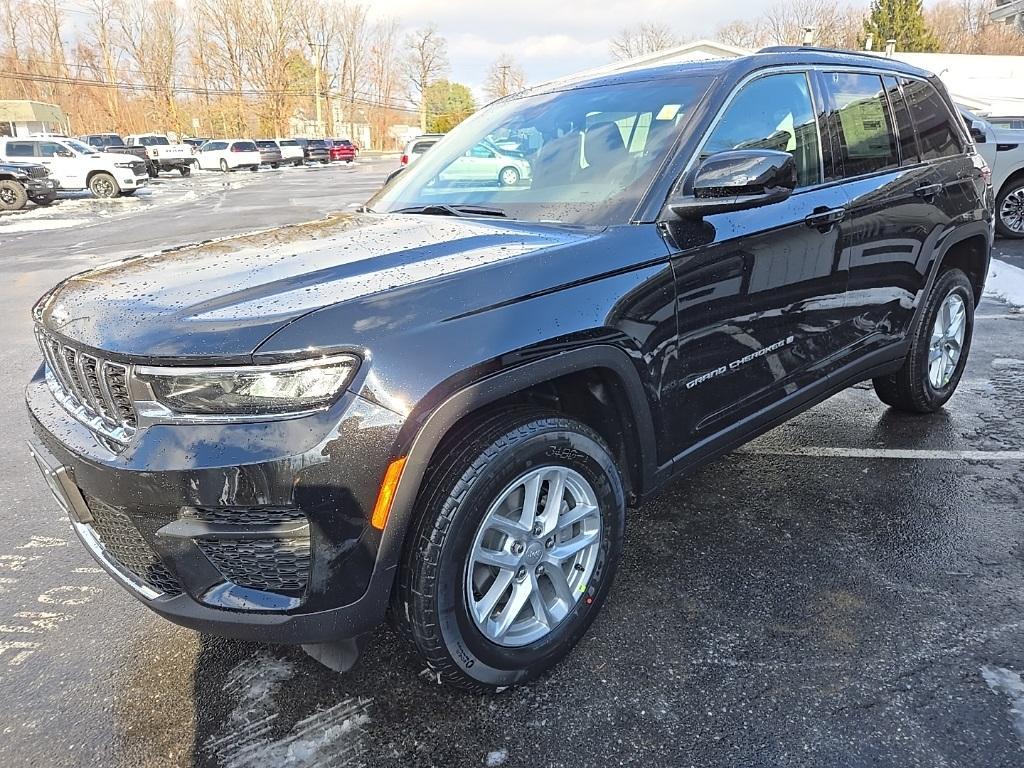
x=760, y=292
x=891, y=191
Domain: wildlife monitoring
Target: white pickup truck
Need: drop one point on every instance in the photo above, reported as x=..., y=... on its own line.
x=162, y=154
x=1003, y=150
x=78, y=166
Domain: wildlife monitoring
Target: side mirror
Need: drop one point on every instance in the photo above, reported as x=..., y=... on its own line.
x=737, y=180
x=65, y=153
x=978, y=132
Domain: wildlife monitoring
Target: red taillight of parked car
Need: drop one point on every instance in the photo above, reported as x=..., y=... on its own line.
x=405, y=160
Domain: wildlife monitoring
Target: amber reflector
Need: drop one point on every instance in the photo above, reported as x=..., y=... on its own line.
x=386, y=496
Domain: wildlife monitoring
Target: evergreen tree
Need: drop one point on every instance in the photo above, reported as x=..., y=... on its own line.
x=902, y=21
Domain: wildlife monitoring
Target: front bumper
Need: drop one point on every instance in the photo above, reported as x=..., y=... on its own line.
x=253, y=531
x=129, y=180
x=36, y=187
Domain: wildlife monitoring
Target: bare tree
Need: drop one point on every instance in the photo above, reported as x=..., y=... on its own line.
x=646, y=37
x=100, y=54
x=505, y=76
x=355, y=43
x=427, y=62
x=384, y=80
x=226, y=26
x=831, y=25
x=153, y=34
x=742, y=33
x=964, y=26
x=271, y=38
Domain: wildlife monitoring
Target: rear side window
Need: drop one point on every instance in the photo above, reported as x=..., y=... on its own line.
x=859, y=113
x=773, y=112
x=935, y=130
x=21, y=149
x=421, y=146
x=901, y=116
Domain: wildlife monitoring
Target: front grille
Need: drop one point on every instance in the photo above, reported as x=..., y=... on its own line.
x=36, y=171
x=94, y=391
x=124, y=544
x=268, y=564
x=249, y=516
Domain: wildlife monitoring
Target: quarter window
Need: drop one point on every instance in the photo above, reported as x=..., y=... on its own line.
x=860, y=114
x=935, y=130
x=773, y=112
x=904, y=127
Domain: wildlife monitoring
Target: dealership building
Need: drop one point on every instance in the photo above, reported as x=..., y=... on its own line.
x=23, y=118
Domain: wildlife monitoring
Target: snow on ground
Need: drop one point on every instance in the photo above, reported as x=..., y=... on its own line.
x=1008, y=683
x=1005, y=282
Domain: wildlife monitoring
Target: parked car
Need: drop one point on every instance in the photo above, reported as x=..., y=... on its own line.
x=418, y=146
x=270, y=153
x=229, y=155
x=1003, y=150
x=112, y=142
x=315, y=150
x=163, y=155
x=342, y=150
x=485, y=163
x=195, y=143
x=21, y=182
x=442, y=409
x=291, y=151
x=74, y=165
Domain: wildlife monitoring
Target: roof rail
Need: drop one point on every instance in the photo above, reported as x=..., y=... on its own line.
x=818, y=49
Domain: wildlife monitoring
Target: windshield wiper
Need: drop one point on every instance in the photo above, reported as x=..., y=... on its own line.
x=443, y=209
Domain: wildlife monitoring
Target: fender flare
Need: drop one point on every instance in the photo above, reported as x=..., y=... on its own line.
x=947, y=241
x=491, y=389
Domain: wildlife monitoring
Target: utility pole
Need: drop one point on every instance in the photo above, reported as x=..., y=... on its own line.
x=318, y=47
x=504, y=78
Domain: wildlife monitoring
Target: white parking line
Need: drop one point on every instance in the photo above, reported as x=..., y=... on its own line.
x=884, y=453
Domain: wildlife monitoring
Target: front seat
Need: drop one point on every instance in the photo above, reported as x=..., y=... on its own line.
x=604, y=151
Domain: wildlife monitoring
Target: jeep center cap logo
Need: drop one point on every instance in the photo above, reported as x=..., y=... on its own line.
x=534, y=552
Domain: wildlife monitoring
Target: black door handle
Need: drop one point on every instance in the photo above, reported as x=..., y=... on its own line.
x=928, y=191
x=825, y=218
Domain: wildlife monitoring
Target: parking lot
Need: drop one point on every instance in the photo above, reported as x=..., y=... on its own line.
x=848, y=590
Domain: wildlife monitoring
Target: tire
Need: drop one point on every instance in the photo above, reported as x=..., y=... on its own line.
x=275, y=166
x=185, y=170
x=299, y=163
x=224, y=165
x=43, y=199
x=254, y=168
x=103, y=186
x=13, y=196
x=152, y=170
x=480, y=463
x=915, y=388
x=1010, y=222
x=508, y=177
x=324, y=162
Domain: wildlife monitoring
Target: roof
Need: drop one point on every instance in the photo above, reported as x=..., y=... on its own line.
x=31, y=112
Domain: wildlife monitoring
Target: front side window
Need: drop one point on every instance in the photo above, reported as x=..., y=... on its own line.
x=935, y=131
x=78, y=146
x=584, y=155
x=860, y=115
x=53, y=149
x=772, y=112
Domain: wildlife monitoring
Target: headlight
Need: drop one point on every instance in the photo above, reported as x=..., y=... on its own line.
x=122, y=165
x=252, y=389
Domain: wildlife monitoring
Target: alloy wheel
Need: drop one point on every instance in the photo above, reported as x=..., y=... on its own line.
x=947, y=340
x=533, y=555
x=1011, y=212
x=7, y=196
x=103, y=188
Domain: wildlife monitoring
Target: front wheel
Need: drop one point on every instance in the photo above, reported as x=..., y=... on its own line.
x=1010, y=210
x=938, y=352
x=223, y=165
x=102, y=185
x=12, y=195
x=508, y=177
x=517, y=536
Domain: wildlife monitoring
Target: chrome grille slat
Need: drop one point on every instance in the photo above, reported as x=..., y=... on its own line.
x=93, y=390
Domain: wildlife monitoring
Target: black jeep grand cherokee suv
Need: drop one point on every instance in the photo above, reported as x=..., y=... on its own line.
x=440, y=407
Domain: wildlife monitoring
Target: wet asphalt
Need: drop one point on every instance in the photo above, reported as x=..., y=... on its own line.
x=819, y=598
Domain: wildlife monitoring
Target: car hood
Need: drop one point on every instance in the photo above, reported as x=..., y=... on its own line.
x=220, y=301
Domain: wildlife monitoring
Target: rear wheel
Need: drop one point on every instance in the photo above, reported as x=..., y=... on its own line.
x=299, y=163
x=938, y=351
x=517, y=538
x=12, y=195
x=103, y=185
x=185, y=170
x=1010, y=209
x=224, y=165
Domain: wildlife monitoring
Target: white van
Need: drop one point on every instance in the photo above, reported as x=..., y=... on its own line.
x=78, y=166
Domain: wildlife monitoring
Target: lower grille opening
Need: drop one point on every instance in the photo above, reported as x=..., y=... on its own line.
x=124, y=544
x=268, y=564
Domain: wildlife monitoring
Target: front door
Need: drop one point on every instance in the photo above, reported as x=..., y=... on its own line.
x=65, y=166
x=760, y=293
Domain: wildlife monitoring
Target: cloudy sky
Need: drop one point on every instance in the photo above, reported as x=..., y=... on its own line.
x=552, y=37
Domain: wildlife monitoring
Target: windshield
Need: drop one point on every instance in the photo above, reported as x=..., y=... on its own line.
x=581, y=156
x=154, y=141
x=85, y=149
x=288, y=143
x=266, y=145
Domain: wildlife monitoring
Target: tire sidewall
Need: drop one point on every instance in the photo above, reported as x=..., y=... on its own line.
x=507, y=169
x=1004, y=230
x=114, y=189
x=950, y=282
x=20, y=196
x=471, y=651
